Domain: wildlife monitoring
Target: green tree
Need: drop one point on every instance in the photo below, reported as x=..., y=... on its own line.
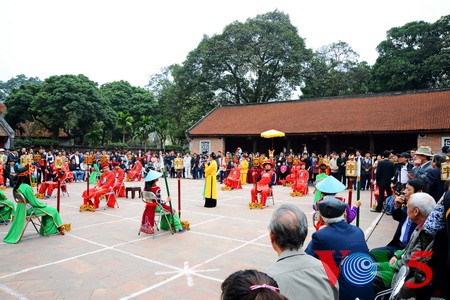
x=124, y=124
x=71, y=103
x=19, y=105
x=142, y=129
x=162, y=130
x=256, y=61
x=413, y=56
x=6, y=88
x=94, y=136
x=129, y=100
x=335, y=70
x=177, y=110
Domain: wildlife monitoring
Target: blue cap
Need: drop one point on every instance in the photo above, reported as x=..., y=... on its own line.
x=330, y=185
x=152, y=175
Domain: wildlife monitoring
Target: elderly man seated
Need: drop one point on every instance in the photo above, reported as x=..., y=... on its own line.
x=406, y=227
x=341, y=240
x=298, y=275
x=419, y=207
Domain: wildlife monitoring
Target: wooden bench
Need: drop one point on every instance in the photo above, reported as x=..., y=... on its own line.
x=133, y=190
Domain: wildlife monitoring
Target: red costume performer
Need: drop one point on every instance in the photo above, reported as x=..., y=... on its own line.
x=46, y=188
x=119, y=174
x=152, y=196
x=68, y=175
x=290, y=179
x=254, y=172
x=104, y=186
x=2, y=180
x=148, y=216
x=264, y=184
x=135, y=172
x=233, y=180
x=300, y=185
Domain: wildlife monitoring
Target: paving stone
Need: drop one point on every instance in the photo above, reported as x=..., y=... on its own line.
x=103, y=257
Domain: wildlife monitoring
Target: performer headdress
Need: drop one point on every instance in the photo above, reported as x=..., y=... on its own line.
x=267, y=161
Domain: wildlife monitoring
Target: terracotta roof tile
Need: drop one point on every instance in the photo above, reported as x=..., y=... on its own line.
x=422, y=111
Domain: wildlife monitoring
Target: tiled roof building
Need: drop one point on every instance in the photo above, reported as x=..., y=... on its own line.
x=397, y=121
x=6, y=132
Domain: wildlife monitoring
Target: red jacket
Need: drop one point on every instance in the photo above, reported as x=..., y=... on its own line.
x=119, y=173
x=106, y=180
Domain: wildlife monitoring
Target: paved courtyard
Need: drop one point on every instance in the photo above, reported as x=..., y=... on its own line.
x=103, y=257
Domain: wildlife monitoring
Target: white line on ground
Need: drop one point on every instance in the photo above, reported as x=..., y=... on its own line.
x=230, y=251
x=12, y=292
x=52, y=263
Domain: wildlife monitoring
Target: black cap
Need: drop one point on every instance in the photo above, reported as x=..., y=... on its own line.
x=404, y=154
x=331, y=207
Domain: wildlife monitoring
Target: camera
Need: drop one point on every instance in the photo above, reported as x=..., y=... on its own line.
x=400, y=193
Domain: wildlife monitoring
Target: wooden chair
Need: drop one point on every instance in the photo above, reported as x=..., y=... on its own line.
x=110, y=196
x=64, y=190
x=160, y=213
x=2, y=218
x=32, y=215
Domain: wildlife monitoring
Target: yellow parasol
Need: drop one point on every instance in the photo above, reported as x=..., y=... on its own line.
x=271, y=134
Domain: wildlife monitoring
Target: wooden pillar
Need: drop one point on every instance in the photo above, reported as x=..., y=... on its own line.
x=327, y=145
x=371, y=144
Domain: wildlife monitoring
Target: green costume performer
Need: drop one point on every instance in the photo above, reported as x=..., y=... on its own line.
x=6, y=208
x=318, y=194
x=51, y=221
x=176, y=220
x=94, y=175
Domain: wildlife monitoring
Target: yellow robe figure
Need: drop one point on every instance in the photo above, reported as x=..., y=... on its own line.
x=210, y=190
x=244, y=171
